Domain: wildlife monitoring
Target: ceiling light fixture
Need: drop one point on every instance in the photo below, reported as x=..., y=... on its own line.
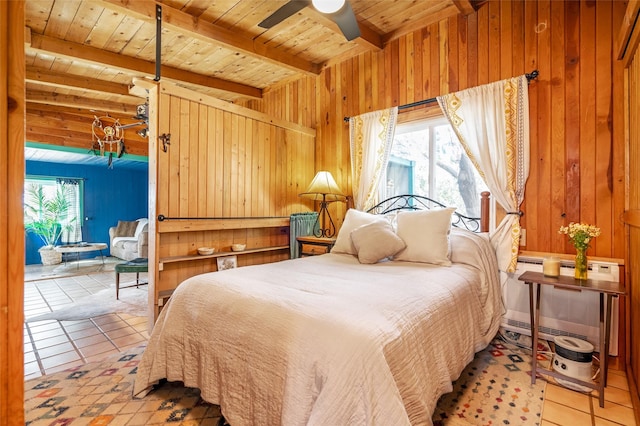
x=328, y=6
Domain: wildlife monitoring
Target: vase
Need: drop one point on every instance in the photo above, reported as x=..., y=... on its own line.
x=581, y=264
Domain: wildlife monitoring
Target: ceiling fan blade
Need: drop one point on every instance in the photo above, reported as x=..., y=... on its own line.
x=288, y=9
x=346, y=20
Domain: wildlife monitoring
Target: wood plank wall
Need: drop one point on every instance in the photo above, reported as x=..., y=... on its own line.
x=12, y=106
x=577, y=136
x=223, y=161
x=632, y=217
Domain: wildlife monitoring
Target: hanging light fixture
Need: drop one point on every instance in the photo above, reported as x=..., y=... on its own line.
x=328, y=6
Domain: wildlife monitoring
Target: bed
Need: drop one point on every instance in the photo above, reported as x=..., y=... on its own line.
x=353, y=337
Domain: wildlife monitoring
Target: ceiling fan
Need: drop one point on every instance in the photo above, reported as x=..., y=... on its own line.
x=339, y=11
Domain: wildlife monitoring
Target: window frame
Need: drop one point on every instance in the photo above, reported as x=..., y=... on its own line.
x=52, y=180
x=434, y=115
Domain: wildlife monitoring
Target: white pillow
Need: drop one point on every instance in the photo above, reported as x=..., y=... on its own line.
x=141, y=224
x=376, y=241
x=426, y=234
x=352, y=220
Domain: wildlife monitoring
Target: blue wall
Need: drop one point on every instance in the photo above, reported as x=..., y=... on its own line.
x=109, y=195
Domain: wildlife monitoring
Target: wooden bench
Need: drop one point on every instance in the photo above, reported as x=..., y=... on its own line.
x=136, y=265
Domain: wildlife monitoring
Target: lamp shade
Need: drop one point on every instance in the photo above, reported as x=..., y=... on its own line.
x=323, y=188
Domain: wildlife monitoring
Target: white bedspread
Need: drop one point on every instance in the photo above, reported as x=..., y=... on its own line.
x=326, y=340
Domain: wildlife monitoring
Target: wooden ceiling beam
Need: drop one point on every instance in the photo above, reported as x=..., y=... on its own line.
x=53, y=122
x=464, y=6
x=90, y=54
x=62, y=133
x=38, y=96
x=77, y=82
x=67, y=112
x=369, y=38
x=46, y=121
x=194, y=27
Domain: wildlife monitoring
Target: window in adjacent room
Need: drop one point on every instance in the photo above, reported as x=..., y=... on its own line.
x=55, y=190
x=427, y=159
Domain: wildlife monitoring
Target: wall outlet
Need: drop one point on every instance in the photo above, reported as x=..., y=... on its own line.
x=523, y=237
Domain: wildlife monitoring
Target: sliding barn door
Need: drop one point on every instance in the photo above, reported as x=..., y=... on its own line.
x=220, y=174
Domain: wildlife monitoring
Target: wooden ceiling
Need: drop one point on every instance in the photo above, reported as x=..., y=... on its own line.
x=82, y=56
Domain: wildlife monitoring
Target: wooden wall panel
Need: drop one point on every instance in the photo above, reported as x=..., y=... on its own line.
x=577, y=141
x=12, y=132
x=226, y=171
x=632, y=217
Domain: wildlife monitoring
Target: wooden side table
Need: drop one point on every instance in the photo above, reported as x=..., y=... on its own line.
x=610, y=289
x=312, y=246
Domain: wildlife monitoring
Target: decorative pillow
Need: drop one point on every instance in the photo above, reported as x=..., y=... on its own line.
x=376, y=241
x=392, y=218
x=426, y=234
x=352, y=220
x=142, y=223
x=126, y=228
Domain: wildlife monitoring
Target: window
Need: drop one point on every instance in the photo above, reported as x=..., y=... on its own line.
x=71, y=190
x=427, y=159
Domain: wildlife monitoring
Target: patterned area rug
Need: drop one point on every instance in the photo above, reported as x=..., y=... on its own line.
x=494, y=389
x=100, y=393
x=133, y=302
x=70, y=269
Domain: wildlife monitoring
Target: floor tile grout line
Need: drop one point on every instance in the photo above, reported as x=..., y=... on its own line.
x=43, y=297
x=72, y=341
x=103, y=333
x=35, y=350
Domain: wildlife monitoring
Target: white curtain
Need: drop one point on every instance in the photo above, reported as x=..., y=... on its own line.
x=492, y=123
x=371, y=137
x=72, y=222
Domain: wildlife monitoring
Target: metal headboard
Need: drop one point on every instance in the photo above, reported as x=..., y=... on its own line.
x=418, y=202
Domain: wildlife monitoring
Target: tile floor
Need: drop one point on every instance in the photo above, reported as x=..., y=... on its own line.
x=52, y=346
x=565, y=407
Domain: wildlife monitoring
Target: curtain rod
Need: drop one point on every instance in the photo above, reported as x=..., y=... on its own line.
x=46, y=177
x=530, y=76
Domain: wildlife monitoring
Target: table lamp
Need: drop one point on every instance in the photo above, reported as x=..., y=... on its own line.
x=324, y=188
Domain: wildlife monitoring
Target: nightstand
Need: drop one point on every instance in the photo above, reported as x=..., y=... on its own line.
x=610, y=289
x=312, y=246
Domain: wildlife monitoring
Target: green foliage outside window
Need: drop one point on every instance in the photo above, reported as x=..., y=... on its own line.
x=44, y=214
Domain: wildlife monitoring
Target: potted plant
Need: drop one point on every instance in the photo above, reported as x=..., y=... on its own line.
x=44, y=216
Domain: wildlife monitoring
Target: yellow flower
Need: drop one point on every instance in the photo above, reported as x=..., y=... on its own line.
x=580, y=234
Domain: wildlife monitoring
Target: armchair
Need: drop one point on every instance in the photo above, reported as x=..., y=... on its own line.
x=129, y=239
